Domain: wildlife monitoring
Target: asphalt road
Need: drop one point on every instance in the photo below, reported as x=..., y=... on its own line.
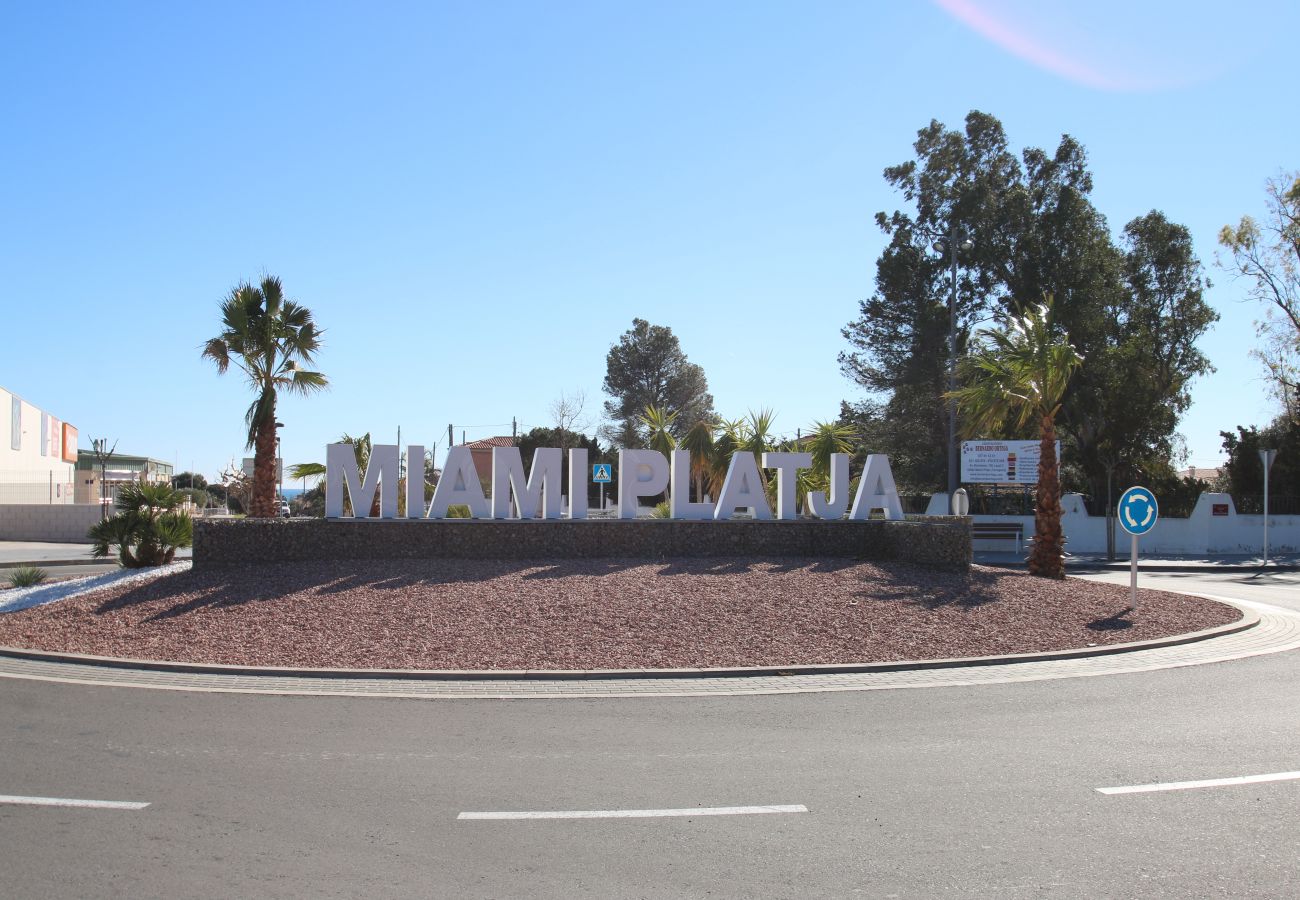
x=946, y=792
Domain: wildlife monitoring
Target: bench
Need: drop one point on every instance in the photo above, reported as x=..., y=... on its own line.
x=999, y=531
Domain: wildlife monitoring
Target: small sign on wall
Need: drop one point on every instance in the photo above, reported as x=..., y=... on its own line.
x=1218, y=509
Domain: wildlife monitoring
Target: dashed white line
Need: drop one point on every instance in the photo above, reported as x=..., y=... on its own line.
x=637, y=813
x=1189, y=785
x=69, y=801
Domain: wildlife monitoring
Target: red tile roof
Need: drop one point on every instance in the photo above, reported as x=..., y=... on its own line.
x=487, y=443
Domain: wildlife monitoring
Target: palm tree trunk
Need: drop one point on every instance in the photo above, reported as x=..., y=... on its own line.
x=1048, y=555
x=263, y=505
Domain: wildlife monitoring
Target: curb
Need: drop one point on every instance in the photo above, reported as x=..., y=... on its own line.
x=1248, y=620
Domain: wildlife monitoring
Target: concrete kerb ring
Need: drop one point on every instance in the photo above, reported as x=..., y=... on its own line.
x=18, y=663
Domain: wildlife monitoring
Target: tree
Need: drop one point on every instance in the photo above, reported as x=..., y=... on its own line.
x=189, y=480
x=1016, y=377
x=1243, y=473
x=1134, y=308
x=529, y=443
x=1267, y=256
x=648, y=368
x=268, y=337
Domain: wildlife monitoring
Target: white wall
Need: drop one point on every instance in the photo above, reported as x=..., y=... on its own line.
x=1200, y=534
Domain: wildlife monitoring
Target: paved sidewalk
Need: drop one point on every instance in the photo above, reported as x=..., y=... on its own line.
x=1090, y=562
x=37, y=553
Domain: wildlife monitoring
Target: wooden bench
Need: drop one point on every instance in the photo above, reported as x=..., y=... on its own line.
x=999, y=531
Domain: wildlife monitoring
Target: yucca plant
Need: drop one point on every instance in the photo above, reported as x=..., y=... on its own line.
x=699, y=443
x=825, y=440
x=27, y=576
x=147, y=530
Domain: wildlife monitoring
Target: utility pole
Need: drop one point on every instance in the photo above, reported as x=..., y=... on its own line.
x=451, y=438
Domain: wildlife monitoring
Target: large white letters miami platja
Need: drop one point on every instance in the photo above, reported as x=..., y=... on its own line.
x=642, y=473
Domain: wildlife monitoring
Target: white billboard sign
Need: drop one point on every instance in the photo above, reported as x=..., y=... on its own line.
x=1001, y=462
x=247, y=468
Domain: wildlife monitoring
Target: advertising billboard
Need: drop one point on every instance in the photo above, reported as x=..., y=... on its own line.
x=1001, y=462
x=69, y=443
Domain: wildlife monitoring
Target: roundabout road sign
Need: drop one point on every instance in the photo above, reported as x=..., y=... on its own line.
x=1138, y=511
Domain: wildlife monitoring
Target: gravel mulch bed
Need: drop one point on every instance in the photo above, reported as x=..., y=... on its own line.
x=596, y=614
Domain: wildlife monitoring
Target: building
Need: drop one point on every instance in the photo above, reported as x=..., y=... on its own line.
x=122, y=469
x=481, y=453
x=38, y=457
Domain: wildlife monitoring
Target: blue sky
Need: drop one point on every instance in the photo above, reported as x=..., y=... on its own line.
x=476, y=199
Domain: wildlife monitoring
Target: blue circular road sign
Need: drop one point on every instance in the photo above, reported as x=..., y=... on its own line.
x=1138, y=510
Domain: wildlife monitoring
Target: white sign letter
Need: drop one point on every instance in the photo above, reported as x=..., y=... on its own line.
x=381, y=475
x=679, y=505
x=459, y=484
x=641, y=473
x=787, y=467
x=414, y=481
x=876, y=490
x=578, y=483
x=742, y=488
x=539, y=497
x=833, y=507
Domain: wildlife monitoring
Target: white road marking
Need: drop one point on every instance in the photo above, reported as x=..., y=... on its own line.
x=637, y=813
x=66, y=801
x=1188, y=785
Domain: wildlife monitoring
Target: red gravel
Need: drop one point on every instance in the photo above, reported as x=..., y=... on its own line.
x=596, y=614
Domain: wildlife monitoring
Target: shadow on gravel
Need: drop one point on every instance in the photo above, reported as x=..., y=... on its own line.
x=1116, y=622
x=203, y=592
x=931, y=589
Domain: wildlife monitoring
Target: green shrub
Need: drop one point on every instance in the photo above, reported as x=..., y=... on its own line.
x=27, y=576
x=458, y=511
x=146, y=529
x=662, y=511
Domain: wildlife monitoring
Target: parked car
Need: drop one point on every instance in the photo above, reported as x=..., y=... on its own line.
x=284, y=509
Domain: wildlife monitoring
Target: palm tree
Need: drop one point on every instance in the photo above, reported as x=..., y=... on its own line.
x=699, y=442
x=268, y=336
x=361, y=450
x=1018, y=375
x=659, y=424
x=733, y=434
x=147, y=528
x=825, y=440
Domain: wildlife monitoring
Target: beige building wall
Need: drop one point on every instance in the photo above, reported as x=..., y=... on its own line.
x=38, y=453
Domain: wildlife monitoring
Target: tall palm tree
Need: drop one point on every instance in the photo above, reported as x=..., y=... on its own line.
x=268, y=337
x=1018, y=375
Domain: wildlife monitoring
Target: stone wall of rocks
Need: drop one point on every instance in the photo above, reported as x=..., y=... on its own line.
x=941, y=542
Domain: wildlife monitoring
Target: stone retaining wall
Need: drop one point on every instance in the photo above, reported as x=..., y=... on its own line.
x=941, y=542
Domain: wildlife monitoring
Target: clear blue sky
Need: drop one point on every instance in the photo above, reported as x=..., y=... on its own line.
x=476, y=199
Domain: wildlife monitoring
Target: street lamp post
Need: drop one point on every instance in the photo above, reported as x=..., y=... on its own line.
x=955, y=240
x=279, y=466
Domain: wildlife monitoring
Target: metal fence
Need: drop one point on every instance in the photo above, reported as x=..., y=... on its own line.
x=1278, y=504
x=34, y=488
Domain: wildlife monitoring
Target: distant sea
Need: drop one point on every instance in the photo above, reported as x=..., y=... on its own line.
x=290, y=493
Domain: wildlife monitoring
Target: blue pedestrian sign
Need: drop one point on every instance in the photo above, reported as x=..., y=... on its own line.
x=601, y=473
x=1138, y=511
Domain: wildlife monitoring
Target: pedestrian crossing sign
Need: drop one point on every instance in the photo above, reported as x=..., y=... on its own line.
x=601, y=473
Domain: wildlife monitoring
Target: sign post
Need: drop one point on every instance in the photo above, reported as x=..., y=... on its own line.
x=1266, y=457
x=1138, y=512
x=601, y=474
